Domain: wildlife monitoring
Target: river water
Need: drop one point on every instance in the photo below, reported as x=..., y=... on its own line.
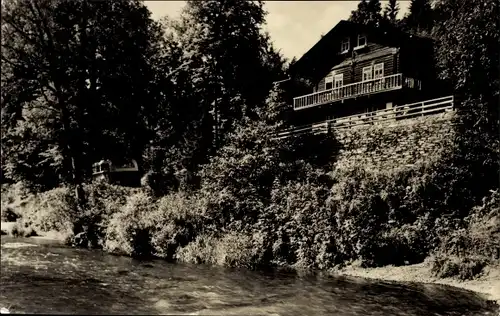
x=39, y=276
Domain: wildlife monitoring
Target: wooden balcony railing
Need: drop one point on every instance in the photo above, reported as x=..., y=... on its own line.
x=424, y=108
x=388, y=83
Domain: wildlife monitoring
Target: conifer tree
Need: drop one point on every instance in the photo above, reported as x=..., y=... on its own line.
x=391, y=11
x=420, y=17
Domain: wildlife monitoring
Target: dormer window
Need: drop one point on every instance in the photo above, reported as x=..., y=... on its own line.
x=345, y=45
x=361, y=41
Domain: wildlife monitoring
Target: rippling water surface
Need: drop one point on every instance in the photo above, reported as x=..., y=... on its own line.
x=38, y=276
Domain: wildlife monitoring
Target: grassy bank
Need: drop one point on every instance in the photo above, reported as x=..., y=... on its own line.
x=295, y=230
x=265, y=203
x=177, y=227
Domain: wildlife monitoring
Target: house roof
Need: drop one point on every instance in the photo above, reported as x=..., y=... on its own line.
x=319, y=58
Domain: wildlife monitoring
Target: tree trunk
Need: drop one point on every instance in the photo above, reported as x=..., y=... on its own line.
x=77, y=182
x=73, y=156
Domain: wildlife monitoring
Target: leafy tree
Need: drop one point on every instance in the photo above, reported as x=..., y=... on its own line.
x=87, y=64
x=368, y=13
x=467, y=56
x=232, y=48
x=230, y=65
x=178, y=123
x=29, y=153
x=239, y=181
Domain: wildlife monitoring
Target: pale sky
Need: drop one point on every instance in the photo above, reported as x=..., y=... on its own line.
x=294, y=26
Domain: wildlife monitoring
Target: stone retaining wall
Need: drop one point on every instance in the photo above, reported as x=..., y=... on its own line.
x=396, y=144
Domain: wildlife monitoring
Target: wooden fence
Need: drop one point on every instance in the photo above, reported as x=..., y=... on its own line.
x=406, y=111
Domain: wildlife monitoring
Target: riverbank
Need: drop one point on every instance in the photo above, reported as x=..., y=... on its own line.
x=35, y=272
x=487, y=285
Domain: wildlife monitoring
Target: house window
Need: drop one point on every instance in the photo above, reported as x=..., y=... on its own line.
x=378, y=71
x=339, y=80
x=329, y=81
x=367, y=73
x=361, y=40
x=344, y=47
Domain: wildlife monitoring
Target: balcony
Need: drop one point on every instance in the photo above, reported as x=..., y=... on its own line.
x=378, y=85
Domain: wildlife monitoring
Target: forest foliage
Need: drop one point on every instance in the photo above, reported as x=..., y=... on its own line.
x=83, y=81
x=192, y=100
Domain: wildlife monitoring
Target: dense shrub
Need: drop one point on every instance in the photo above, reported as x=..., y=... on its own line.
x=397, y=216
x=8, y=214
x=48, y=211
x=102, y=201
x=357, y=219
x=262, y=187
x=230, y=250
x=300, y=225
x=201, y=250
x=129, y=230
x=56, y=210
x=51, y=210
x=484, y=222
x=465, y=251
x=175, y=221
x=269, y=191
x=258, y=206
x=264, y=202
x=13, y=197
x=19, y=230
x=400, y=245
x=236, y=183
x=146, y=226
x=465, y=268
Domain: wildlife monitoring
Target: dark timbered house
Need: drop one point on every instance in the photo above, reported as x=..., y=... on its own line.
x=355, y=69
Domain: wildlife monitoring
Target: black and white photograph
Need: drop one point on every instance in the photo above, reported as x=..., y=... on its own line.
x=253, y=158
